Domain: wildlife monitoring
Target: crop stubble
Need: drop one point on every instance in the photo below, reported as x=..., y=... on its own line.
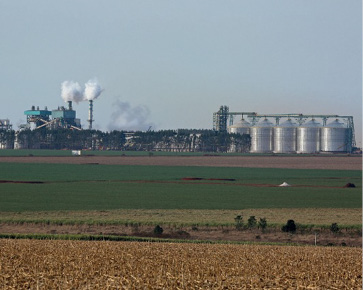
x=34, y=264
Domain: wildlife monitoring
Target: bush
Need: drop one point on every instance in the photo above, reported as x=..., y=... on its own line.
x=239, y=221
x=262, y=224
x=158, y=230
x=252, y=222
x=289, y=227
x=334, y=228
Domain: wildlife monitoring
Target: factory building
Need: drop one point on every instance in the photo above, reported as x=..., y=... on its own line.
x=290, y=133
x=56, y=119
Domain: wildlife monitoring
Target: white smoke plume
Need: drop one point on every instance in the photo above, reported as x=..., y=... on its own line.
x=72, y=91
x=128, y=118
x=92, y=90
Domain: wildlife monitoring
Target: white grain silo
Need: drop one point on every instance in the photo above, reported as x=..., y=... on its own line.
x=308, y=137
x=262, y=137
x=334, y=137
x=241, y=127
x=285, y=137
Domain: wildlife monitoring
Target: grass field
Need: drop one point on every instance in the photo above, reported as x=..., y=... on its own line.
x=89, y=193
x=113, y=187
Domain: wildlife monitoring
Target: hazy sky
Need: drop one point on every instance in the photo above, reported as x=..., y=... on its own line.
x=171, y=64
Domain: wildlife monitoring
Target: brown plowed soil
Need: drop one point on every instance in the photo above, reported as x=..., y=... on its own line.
x=298, y=162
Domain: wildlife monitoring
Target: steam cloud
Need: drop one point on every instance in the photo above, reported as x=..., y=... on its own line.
x=72, y=91
x=129, y=118
x=92, y=90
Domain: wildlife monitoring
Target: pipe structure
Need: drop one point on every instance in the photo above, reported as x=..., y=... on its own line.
x=70, y=105
x=90, y=114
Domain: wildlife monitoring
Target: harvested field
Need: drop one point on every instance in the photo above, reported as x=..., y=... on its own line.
x=30, y=264
x=298, y=162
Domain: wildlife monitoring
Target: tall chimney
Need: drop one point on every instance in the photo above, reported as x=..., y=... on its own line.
x=70, y=105
x=90, y=114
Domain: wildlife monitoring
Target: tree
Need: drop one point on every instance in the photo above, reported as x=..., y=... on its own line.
x=252, y=222
x=239, y=221
x=158, y=230
x=334, y=228
x=289, y=227
x=262, y=224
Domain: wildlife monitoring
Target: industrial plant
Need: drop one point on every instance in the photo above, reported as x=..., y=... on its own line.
x=289, y=133
x=59, y=118
x=65, y=118
x=251, y=133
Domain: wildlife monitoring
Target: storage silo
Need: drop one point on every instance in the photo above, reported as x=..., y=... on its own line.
x=334, y=137
x=308, y=137
x=285, y=137
x=262, y=137
x=241, y=127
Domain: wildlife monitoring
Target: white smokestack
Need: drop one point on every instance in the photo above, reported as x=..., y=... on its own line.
x=71, y=91
x=90, y=114
x=92, y=91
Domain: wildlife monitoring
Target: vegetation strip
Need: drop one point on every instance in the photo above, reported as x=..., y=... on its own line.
x=308, y=227
x=132, y=239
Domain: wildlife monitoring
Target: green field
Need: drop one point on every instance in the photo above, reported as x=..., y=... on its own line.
x=112, y=187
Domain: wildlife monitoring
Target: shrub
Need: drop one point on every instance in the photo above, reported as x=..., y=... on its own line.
x=252, y=222
x=158, y=230
x=334, y=228
x=262, y=224
x=289, y=227
x=239, y=221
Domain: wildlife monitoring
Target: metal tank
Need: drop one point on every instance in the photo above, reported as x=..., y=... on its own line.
x=308, y=137
x=334, y=137
x=241, y=127
x=262, y=137
x=285, y=137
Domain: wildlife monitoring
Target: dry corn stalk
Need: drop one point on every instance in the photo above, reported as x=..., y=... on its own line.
x=32, y=264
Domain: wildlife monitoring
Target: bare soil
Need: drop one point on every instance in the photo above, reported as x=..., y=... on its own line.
x=349, y=237
x=353, y=162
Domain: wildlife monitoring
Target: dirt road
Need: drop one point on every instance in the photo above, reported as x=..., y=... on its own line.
x=298, y=162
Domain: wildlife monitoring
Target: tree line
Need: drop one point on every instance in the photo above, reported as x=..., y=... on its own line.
x=184, y=140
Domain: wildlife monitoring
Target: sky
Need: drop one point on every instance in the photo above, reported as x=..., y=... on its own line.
x=171, y=64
